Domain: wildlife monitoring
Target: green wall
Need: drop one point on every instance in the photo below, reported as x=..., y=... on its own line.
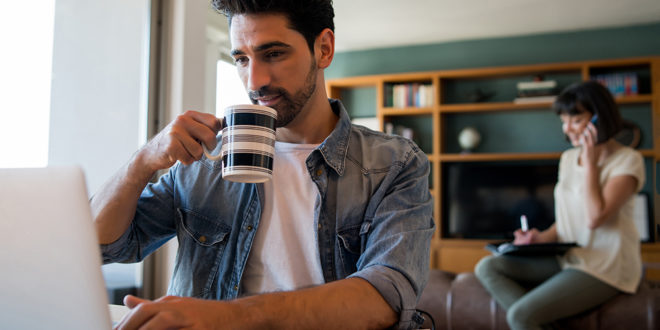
x=640, y=40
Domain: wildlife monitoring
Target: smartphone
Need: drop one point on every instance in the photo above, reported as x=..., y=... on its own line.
x=594, y=121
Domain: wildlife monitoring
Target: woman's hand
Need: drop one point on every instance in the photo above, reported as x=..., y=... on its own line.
x=590, y=154
x=534, y=236
x=526, y=237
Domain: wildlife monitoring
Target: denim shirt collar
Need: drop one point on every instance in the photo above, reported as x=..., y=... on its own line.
x=335, y=146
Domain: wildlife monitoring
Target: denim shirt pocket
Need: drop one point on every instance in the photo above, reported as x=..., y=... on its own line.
x=202, y=241
x=351, y=245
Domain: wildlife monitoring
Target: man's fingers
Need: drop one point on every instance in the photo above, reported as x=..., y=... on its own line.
x=165, y=319
x=131, y=301
x=138, y=315
x=202, y=127
x=201, y=132
x=182, y=139
x=181, y=153
x=146, y=314
x=207, y=119
x=184, y=147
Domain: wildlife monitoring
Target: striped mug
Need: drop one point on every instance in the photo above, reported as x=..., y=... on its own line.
x=247, y=143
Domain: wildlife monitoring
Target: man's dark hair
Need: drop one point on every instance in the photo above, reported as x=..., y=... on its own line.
x=592, y=97
x=309, y=17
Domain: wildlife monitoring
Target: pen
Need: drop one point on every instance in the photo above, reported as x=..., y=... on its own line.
x=523, y=223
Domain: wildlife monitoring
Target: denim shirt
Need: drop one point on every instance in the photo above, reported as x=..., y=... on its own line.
x=373, y=214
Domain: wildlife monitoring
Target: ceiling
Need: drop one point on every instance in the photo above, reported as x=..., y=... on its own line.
x=367, y=24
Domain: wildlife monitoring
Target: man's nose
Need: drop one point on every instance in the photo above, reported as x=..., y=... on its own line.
x=258, y=76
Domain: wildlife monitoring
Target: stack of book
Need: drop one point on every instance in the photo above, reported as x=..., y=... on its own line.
x=536, y=91
x=619, y=84
x=408, y=95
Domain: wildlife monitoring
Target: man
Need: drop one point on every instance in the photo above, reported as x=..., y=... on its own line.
x=338, y=239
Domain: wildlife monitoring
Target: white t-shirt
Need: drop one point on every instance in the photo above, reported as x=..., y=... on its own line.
x=610, y=252
x=284, y=255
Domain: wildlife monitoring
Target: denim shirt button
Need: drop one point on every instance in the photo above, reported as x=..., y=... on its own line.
x=235, y=287
x=202, y=239
x=319, y=172
x=249, y=228
x=319, y=226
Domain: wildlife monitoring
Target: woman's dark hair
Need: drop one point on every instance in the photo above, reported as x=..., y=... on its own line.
x=309, y=17
x=592, y=97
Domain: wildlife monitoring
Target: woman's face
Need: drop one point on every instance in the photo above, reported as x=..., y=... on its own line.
x=573, y=126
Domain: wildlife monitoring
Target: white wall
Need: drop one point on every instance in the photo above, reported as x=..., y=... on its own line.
x=99, y=84
x=99, y=94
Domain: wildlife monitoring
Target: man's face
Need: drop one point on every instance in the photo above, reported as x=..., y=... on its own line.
x=274, y=63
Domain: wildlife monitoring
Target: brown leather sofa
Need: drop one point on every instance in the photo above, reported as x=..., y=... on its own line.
x=461, y=302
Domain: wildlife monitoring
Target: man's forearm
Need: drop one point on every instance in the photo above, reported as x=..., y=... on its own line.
x=113, y=206
x=345, y=304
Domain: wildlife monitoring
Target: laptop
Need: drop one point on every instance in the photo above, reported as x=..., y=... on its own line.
x=49, y=254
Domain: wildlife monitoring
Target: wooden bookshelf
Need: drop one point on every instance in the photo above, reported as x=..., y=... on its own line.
x=450, y=105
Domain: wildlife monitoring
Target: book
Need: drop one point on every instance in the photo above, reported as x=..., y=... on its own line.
x=543, y=84
x=535, y=99
x=409, y=95
x=537, y=88
x=619, y=84
x=540, y=249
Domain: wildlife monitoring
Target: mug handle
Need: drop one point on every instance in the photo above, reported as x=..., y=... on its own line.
x=207, y=153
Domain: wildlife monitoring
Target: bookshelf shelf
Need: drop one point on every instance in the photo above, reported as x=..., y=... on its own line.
x=635, y=99
x=474, y=157
x=511, y=132
x=494, y=106
x=480, y=157
x=409, y=111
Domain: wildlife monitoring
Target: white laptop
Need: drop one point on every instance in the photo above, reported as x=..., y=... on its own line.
x=50, y=260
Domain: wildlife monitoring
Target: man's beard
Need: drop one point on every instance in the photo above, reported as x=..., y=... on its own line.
x=289, y=106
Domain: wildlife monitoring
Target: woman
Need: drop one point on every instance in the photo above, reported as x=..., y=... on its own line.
x=593, y=206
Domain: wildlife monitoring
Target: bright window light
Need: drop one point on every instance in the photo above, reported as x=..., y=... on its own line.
x=229, y=88
x=26, y=31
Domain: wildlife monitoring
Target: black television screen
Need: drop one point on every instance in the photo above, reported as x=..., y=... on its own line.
x=484, y=200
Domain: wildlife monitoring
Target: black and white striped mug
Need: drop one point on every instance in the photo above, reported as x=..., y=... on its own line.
x=248, y=143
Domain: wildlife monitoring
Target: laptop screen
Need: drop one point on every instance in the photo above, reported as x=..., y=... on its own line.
x=51, y=263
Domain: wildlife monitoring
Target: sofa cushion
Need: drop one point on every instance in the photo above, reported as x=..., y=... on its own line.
x=461, y=302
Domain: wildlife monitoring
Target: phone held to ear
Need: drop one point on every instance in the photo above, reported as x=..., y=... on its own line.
x=593, y=120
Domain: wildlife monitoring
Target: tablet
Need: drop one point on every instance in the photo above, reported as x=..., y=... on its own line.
x=539, y=249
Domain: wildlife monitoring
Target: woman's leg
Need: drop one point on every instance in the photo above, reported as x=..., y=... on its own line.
x=567, y=293
x=506, y=278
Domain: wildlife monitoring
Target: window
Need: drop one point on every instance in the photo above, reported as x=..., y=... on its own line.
x=26, y=31
x=229, y=88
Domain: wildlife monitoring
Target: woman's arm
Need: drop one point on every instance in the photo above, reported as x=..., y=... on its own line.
x=603, y=203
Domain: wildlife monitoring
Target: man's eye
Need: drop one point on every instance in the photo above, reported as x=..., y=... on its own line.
x=273, y=54
x=240, y=60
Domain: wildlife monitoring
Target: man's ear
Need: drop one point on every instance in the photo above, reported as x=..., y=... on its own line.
x=324, y=48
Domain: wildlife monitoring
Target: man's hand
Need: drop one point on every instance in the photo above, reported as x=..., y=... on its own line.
x=181, y=140
x=344, y=304
x=114, y=204
x=174, y=313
